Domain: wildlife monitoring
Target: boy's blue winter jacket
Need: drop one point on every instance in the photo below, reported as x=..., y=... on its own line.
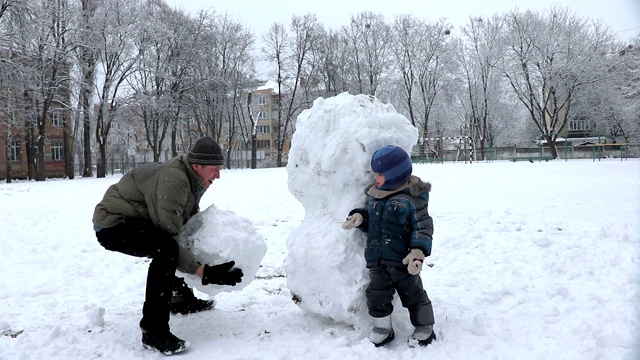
x=396, y=222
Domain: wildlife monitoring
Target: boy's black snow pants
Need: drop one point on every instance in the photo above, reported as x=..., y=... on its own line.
x=388, y=279
x=140, y=238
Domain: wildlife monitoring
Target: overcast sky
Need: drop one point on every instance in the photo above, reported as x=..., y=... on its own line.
x=622, y=15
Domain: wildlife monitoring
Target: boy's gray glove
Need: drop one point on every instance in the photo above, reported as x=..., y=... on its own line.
x=414, y=261
x=353, y=220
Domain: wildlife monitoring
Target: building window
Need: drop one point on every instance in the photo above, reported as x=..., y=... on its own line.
x=263, y=129
x=263, y=144
x=56, y=150
x=579, y=125
x=262, y=100
x=262, y=115
x=56, y=118
x=16, y=151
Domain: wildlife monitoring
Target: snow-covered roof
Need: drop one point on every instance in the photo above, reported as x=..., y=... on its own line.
x=269, y=85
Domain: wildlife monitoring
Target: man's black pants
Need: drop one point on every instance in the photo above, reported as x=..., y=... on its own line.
x=141, y=239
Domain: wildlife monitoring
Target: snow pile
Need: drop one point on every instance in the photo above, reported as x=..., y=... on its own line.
x=94, y=317
x=216, y=236
x=329, y=169
x=524, y=268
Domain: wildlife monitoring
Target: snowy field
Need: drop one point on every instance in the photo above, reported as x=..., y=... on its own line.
x=531, y=261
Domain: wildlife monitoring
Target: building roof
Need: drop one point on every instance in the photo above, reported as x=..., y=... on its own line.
x=269, y=85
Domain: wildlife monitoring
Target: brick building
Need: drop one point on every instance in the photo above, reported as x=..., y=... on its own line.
x=13, y=143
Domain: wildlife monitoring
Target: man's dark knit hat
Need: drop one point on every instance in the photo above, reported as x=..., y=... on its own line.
x=206, y=151
x=394, y=164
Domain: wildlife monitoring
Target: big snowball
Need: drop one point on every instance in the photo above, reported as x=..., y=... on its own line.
x=216, y=236
x=329, y=169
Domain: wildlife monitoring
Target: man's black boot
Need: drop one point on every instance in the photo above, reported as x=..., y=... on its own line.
x=163, y=341
x=184, y=302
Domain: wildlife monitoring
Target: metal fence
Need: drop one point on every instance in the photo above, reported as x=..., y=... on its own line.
x=121, y=163
x=595, y=152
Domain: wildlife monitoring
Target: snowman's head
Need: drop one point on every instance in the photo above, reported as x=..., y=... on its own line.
x=394, y=166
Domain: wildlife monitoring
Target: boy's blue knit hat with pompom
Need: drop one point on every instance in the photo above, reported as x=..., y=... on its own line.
x=394, y=164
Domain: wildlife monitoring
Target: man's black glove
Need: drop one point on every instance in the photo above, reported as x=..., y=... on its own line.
x=222, y=274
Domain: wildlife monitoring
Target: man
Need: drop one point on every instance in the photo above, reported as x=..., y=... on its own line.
x=142, y=215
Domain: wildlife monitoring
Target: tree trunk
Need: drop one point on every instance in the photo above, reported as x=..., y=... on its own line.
x=102, y=161
x=254, y=152
x=87, y=171
x=254, y=142
x=87, y=58
x=67, y=143
x=552, y=146
x=30, y=147
x=8, y=156
x=10, y=121
x=41, y=174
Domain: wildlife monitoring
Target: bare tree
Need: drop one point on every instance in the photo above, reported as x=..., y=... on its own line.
x=407, y=32
x=253, y=135
x=290, y=55
x=432, y=64
x=479, y=57
x=204, y=112
x=161, y=79
x=331, y=58
x=86, y=55
x=627, y=122
x=9, y=110
x=369, y=37
x=613, y=105
x=116, y=58
x=230, y=51
x=11, y=78
x=46, y=48
x=4, y=6
x=275, y=51
x=549, y=60
x=305, y=31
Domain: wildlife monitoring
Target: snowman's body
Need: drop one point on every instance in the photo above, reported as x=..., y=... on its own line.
x=329, y=169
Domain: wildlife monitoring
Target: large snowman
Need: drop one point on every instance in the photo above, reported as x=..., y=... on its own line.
x=329, y=169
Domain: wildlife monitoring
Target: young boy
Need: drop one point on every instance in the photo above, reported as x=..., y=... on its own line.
x=399, y=231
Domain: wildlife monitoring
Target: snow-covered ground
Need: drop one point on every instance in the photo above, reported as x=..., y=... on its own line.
x=531, y=261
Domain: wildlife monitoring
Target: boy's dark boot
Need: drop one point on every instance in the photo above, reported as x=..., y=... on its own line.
x=184, y=302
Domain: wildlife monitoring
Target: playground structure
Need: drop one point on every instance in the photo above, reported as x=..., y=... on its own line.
x=599, y=151
x=463, y=145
